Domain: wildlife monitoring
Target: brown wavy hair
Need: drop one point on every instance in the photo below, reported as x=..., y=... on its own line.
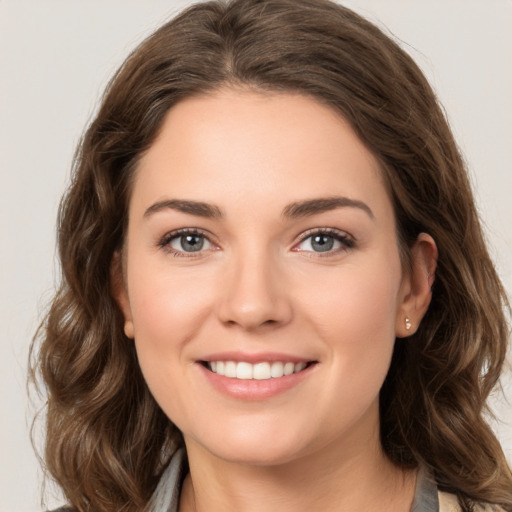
x=107, y=441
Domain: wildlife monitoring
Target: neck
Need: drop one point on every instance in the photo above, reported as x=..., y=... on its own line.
x=342, y=477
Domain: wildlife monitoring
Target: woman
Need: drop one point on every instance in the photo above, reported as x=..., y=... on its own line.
x=275, y=293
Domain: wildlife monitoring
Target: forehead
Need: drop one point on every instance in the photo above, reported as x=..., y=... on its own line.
x=243, y=147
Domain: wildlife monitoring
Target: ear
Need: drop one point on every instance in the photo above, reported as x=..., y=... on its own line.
x=120, y=292
x=416, y=288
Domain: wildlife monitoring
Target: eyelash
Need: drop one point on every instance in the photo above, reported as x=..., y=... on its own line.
x=343, y=238
x=346, y=241
x=166, y=240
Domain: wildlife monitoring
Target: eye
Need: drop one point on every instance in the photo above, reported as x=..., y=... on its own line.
x=324, y=241
x=186, y=242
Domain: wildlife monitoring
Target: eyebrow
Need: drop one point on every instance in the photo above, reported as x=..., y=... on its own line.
x=292, y=211
x=191, y=207
x=324, y=204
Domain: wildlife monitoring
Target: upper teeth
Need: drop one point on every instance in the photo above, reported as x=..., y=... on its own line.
x=258, y=371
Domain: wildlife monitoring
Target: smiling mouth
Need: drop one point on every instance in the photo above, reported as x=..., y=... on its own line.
x=260, y=371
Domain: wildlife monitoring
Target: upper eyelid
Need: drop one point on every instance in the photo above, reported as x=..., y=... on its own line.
x=344, y=238
x=327, y=231
x=187, y=231
x=164, y=241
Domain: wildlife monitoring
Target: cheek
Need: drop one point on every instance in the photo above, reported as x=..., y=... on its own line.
x=355, y=299
x=354, y=311
x=164, y=303
x=356, y=322
x=168, y=309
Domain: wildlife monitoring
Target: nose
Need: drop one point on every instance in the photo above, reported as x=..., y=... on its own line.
x=255, y=294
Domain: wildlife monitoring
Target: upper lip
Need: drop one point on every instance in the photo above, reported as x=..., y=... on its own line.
x=255, y=357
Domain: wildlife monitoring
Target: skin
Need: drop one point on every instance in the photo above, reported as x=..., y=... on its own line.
x=259, y=286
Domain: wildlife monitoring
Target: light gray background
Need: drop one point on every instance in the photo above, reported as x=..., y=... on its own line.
x=55, y=58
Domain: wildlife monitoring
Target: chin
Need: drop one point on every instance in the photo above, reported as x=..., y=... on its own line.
x=252, y=448
x=257, y=455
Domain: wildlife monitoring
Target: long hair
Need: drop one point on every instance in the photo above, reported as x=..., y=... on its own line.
x=107, y=441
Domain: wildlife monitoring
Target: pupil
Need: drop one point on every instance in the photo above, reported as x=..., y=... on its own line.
x=322, y=243
x=192, y=243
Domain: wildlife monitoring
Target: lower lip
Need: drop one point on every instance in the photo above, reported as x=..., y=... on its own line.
x=253, y=389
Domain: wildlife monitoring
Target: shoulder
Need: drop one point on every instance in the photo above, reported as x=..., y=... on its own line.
x=448, y=503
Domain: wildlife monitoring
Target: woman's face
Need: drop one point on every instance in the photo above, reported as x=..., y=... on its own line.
x=262, y=241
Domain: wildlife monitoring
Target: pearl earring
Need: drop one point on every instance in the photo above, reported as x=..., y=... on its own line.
x=408, y=324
